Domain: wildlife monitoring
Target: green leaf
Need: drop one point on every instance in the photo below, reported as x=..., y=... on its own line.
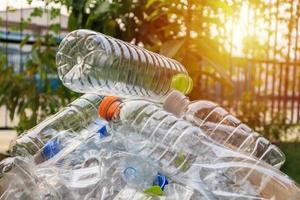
x=154, y=191
x=171, y=47
x=55, y=28
x=24, y=24
x=54, y=13
x=102, y=8
x=37, y=12
x=155, y=15
x=24, y=41
x=151, y=2
x=72, y=23
x=11, y=9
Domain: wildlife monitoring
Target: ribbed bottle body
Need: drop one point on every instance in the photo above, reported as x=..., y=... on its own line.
x=75, y=118
x=227, y=130
x=88, y=61
x=215, y=166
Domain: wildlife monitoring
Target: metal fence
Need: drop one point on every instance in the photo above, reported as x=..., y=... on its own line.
x=276, y=85
x=262, y=39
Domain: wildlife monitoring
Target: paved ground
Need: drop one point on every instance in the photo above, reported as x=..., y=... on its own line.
x=5, y=119
x=6, y=137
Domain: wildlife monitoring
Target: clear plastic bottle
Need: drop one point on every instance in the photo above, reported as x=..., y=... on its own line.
x=78, y=117
x=216, y=167
x=224, y=128
x=54, y=146
x=23, y=182
x=141, y=173
x=89, y=152
x=89, y=169
x=88, y=61
x=44, y=181
x=104, y=172
x=138, y=173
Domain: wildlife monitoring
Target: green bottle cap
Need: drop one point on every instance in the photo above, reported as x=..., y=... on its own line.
x=182, y=83
x=154, y=190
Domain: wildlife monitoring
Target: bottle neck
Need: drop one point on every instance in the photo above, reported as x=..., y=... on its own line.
x=176, y=103
x=109, y=108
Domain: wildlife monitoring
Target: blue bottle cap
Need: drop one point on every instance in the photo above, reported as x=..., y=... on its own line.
x=102, y=127
x=161, y=181
x=51, y=148
x=102, y=132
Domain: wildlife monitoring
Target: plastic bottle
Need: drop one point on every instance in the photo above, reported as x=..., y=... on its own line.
x=88, y=61
x=89, y=152
x=91, y=176
x=168, y=161
x=224, y=176
x=28, y=181
x=224, y=128
x=54, y=146
x=105, y=171
x=23, y=182
x=216, y=167
x=138, y=173
x=78, y=117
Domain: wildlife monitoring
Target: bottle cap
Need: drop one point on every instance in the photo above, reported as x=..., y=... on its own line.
x=102, y=132
x=51, y=148
x=182, y=83
x=109, y=107
x=130, y=173
x=176, y=103
x=161, y=181
x=102, y=127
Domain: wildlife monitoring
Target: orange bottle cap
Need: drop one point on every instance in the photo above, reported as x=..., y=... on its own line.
x=109, y=107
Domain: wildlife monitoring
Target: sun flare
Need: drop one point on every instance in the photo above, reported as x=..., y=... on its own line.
x=246, y=25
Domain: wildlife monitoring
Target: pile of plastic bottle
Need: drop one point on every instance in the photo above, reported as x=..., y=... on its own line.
x=135, y=135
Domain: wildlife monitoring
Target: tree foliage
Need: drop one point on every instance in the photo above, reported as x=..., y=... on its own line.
x=33, y=93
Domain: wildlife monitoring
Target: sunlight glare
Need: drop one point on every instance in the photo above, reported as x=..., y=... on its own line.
x=242, y=27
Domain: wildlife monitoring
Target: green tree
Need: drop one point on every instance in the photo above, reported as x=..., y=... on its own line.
x=172, y=28
x=30, y=94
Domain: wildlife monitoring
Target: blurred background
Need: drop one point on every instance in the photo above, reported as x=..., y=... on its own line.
x=244, y=55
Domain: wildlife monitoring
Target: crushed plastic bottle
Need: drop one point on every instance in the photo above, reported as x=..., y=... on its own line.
x=23, y=182
x=219, y=168
x=87, y=153
x=137, y=172
x=76, y=117
x=88, y=61
x=50, y=182
x=54, y=146
x=224, y=128
x=94, y=177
